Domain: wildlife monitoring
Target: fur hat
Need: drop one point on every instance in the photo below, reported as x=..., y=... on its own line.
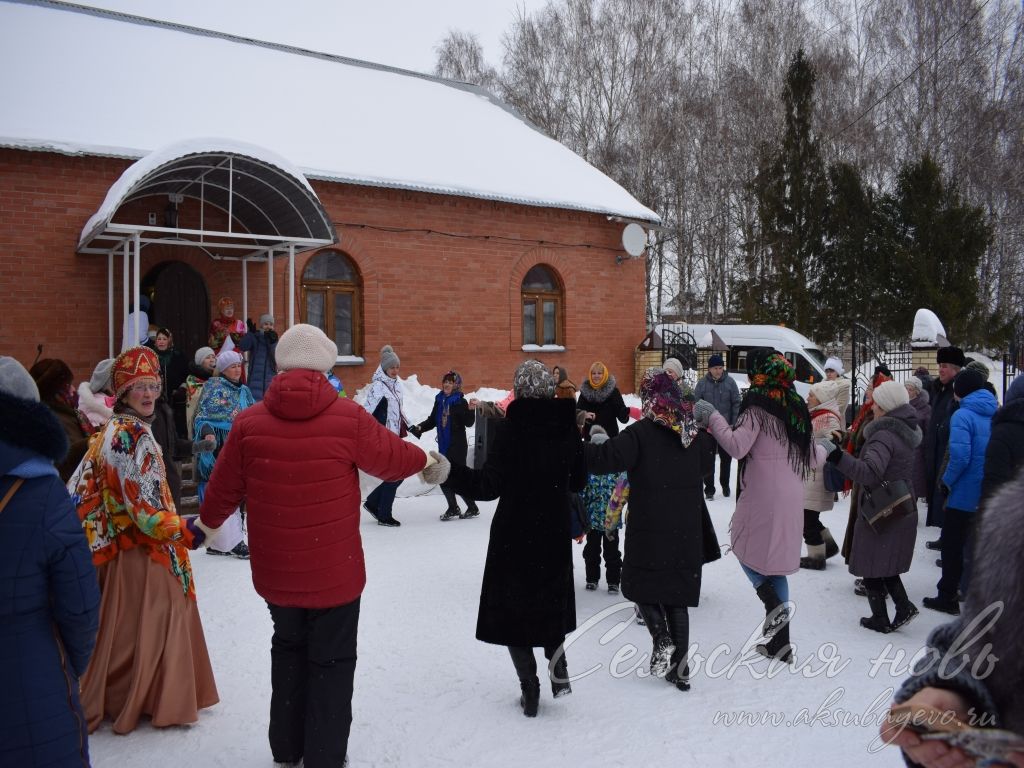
x=16, y=381
x=914, y=383
x=714, y=361
x=133, y=365
x=51, y=376
x=672, y=364
x=100, y=378
x=835, y=364
x=265, y=318
x=305, y=346
x=825, y=390
x=967, y=381
x=890, y=395
x=533, y=380
x=226, y=359
x=388, y=358
x=951, y=355
x=921, y=372
x=1015, y=391
x=598, y=434
x=202, y=353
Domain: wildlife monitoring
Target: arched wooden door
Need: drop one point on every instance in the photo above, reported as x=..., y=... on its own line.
x=180, y=303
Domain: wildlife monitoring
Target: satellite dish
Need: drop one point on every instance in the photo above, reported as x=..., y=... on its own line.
x=634, y=239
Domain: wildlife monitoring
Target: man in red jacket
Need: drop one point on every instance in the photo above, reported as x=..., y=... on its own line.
x=294, y=459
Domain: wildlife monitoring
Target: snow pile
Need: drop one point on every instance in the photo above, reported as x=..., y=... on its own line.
x=927, y=329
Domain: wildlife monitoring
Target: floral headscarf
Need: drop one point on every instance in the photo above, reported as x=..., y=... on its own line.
x=771, y=391
x=665, y=402
x=533, y=380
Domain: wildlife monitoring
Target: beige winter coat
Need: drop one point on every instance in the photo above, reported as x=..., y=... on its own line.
x=825, y=422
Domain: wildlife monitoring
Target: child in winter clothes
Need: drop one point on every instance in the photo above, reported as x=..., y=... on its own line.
x=596, y=497
x=94, y=398
x=384, y=402
x=260, y=344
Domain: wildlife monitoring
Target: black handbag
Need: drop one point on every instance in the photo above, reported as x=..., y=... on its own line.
x=835, y=480
x=890, y=501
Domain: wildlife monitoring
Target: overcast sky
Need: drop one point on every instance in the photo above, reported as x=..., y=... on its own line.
x=402, y=33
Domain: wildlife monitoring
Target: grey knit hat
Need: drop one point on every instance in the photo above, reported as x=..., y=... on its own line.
x=673, y=365
x=265, y=318
x=914, y=383
x=202, y=353
x=15, y=381
x=533, y=380
x=100, y=378
x=388, y=358
x=980, y=367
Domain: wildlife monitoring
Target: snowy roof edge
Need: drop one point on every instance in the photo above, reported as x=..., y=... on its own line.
x=84, y=150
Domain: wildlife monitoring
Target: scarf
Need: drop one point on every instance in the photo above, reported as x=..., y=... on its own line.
x=665, y=402
x=444, y=422
x=598, y=395
x=778, y=408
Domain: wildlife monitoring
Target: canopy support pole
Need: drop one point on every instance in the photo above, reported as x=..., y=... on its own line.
x=110, y=304
x=126, y=275
x=245, y=289
x=270, y=282
x=136, y=281
x=291, y=284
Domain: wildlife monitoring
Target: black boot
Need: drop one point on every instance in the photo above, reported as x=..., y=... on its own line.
x=905, y=610
x=526, y=667
x=775, y=613
x=879, y=619
x=679, y=627
x=558, y=671
x=831, y=548
x=778, y=647
x=657, y=625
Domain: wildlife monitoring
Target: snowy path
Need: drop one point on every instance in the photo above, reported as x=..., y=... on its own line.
x=428, y=694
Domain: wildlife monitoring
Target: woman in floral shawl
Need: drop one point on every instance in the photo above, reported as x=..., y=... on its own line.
x=772, y=441
x=221, y=399
x=669, y=537
x=150, y=656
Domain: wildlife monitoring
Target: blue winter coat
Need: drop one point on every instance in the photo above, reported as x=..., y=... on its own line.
x=262, y=363
x=969, y=432
x=49, y=597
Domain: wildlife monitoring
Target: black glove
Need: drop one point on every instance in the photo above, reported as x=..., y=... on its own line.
x=415, y=431
x=944, y=489
x=250, y=324
x=270, y=336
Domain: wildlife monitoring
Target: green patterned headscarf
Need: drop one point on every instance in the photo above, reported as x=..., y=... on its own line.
x=772, y=393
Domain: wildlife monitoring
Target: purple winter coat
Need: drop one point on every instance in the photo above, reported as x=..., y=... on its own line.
x=888, y=452
x=924, y=412
x=767, y=527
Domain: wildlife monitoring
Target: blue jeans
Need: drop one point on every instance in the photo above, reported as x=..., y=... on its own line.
x=382, y=498
x=781, y=583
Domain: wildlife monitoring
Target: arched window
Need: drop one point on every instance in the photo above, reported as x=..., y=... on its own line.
x=542, y=307
x=332, y=299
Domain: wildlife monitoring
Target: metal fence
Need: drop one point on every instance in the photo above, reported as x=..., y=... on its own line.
x=681, y=345
x=868, y=350
x=1013, y=358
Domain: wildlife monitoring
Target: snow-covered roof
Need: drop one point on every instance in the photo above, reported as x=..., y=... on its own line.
x=84, y=81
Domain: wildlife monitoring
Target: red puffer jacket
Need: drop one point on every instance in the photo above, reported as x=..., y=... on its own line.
x=293, y=458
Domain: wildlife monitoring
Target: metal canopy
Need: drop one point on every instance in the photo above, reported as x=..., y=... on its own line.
x=268, y=205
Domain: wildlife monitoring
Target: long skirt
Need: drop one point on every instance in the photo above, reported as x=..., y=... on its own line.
x=150, y=656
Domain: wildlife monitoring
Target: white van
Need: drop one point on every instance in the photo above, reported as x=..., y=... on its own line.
x=803, y=354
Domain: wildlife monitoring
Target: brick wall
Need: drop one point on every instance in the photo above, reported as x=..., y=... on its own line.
x=441, y=301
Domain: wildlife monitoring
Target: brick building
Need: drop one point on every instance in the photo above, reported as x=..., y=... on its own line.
x=392, y=207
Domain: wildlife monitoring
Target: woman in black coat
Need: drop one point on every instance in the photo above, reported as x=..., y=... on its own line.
x=602, y=401
x=669, y=536
x=1005, y=453
x=527, y=597
x=451, y=415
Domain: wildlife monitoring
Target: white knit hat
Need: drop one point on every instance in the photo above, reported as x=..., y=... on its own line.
x=100, y=379
x=305, y=346
x=672, y=364
x=825, y=390
x=202, y=353
x=15, y=380
x=890, y=395
x=914, y=382
x=226, y=359
x=834, y=364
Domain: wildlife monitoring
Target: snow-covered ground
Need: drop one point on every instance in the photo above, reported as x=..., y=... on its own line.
x=427, y=693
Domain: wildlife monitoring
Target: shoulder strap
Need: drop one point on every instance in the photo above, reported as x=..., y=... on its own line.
x=10, y=492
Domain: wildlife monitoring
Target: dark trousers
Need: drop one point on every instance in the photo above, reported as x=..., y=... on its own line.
x=526, y=663
x=956, y=531
x=724, y=468
x=813, y=528
x=382, y=499
x=612, y=557
x=449, y=496
x=890, y=585
x=673, y=621
x=312, y=665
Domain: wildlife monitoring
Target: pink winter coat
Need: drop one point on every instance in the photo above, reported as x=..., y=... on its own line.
x=767, y=527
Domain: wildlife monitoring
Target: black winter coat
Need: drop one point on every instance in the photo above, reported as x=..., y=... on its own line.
x=1004, y=456
x=527, y=596
x=669, y=535
x=461, y=417
x=607, y=406
x=936, y=441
